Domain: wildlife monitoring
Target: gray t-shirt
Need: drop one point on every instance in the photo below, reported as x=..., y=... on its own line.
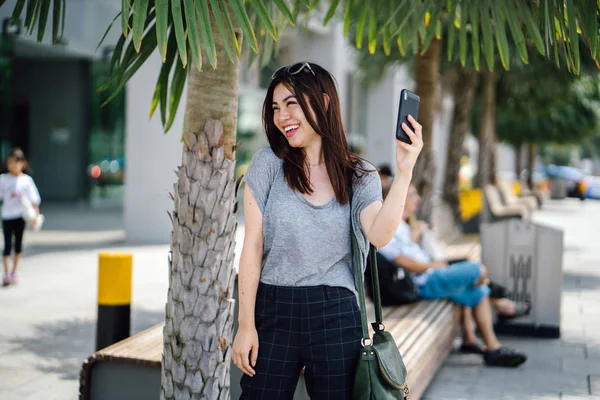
x=305, y=244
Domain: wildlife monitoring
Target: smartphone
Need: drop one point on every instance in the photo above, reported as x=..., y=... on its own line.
x=409, y=105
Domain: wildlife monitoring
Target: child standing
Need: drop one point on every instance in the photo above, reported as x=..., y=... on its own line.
x=20, y=196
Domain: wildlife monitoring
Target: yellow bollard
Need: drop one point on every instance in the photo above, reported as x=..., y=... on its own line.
x=115, y=272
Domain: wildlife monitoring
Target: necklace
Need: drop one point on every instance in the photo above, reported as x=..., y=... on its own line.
x=316, y=165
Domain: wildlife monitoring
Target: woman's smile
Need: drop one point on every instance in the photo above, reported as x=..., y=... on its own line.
x=290, y=130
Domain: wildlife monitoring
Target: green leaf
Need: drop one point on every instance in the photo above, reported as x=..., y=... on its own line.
x=44, y=11
x=404, y=20
x=192, y=32
x=264, y=17
x=161, y=8
x=177, y=85
x=56, y=20
x=63, y=16
x=140, y=8
x=360, y=27
x=214, y=4
x=267, y=50
x=285, y=10
x=573, y=35
x=435, y=16
x=107, y=30
x=177, y=16
x=532, y=26
x=486, y=30
x=206, y=30
x=347, y=17
x=125, y=11
x=590, y=26
x=501, y=40
x=130, y=67
x=387, y=39
x=556, y=57
x=547, y=24
x=514, y=24
x=116, y=56
x=18, y=9
x=232, y=33
x=244, y=22
x=401, y=48
x=462, y=35
x=162, y=85
x=33, y=9
x=475, y=33
x=331, y=11
x=451, y=29
x=392, y=17
x=372, y=32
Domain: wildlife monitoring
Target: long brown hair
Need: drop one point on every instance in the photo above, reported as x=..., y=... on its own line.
x=308, y=86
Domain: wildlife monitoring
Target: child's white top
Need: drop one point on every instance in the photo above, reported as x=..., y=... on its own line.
x=15, y=189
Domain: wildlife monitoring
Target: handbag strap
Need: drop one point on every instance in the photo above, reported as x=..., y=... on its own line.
x=359, y=283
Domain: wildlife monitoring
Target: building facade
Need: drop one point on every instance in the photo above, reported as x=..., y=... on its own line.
x=116, y=155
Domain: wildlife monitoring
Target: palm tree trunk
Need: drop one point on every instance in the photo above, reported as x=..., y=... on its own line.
x=493, y=164
x=531, y=153
x=464, y=95
x=427, y=77
x=485, y=168
x=486, y=128
x=518, y=160
x=199, y=312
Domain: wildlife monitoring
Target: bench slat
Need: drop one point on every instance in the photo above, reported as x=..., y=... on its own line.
x=145, y=346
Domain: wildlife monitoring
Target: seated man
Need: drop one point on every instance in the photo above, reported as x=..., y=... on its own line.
x=460, y=282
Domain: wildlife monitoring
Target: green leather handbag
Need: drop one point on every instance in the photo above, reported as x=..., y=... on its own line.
x=380, y=374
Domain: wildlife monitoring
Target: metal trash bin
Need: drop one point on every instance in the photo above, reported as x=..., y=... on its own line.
x=526, y=258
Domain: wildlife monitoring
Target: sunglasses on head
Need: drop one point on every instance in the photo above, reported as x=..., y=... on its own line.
x=294, y=69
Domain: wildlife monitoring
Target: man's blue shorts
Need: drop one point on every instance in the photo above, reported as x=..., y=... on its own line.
x=455, y=282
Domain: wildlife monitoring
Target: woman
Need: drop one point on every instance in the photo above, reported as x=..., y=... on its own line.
x=298, y=307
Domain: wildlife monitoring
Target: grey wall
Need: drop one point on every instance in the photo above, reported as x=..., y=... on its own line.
x=152, y=157
x=58, y=98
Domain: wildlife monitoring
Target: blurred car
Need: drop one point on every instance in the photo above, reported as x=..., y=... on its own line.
x=592, y=189
x=575, y=179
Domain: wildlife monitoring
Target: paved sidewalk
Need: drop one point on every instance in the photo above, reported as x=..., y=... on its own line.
x=567, y=368
x=47, y=323
x=48, y=320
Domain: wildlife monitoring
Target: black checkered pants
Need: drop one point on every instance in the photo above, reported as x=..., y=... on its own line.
x=317, y=328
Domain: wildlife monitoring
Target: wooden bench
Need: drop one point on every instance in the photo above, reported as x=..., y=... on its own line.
x=424, y=332
x=499, y=210
x=510, y=198
x=127, y=370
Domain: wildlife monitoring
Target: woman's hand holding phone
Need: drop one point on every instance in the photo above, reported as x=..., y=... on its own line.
x=407, y=154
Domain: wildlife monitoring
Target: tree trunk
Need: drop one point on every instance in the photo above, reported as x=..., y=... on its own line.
x=531, y=153
x=486, y=134
x=464, y=94
x=518, y=160
x=493, y=164
x=199, y=312
x=427, y=77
